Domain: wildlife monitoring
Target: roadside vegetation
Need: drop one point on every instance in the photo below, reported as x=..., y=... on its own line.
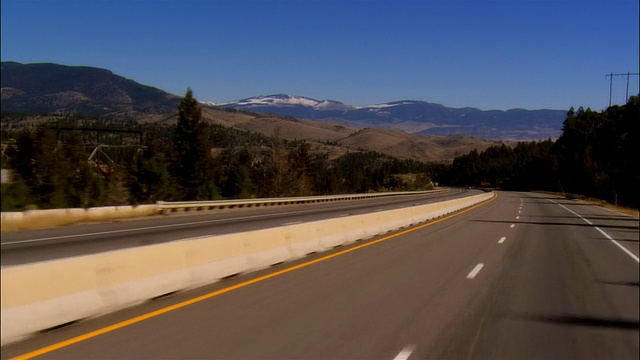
x=140, y=163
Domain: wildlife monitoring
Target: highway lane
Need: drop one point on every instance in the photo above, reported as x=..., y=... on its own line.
x=523, y=276
x=47, y=244
x=565, y=291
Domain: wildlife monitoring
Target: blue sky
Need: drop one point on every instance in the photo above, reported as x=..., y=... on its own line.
x=488, y=54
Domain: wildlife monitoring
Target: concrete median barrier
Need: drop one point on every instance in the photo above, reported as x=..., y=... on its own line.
x=43, y=295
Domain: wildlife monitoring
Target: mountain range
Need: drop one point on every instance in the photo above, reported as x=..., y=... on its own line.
x=415, y=117
x=402, y=129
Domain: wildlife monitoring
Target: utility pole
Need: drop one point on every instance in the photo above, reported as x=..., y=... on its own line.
x=610, y=76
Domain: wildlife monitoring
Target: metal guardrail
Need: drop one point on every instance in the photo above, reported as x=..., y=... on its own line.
x=174, y=206
x=34, y=219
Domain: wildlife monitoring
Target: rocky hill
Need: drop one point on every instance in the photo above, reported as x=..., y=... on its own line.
x=337, y=139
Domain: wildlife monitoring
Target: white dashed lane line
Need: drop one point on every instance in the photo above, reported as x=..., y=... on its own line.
x=475, y=271
x=405, y=352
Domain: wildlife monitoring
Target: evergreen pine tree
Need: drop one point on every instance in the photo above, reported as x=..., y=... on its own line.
x=192, y=147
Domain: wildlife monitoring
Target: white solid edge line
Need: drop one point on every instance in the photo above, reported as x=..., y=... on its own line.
x=405, y=352
x=627, y=251
x=475, y=271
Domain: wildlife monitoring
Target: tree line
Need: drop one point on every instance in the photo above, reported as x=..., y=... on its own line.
x=597, y=155
x=53, y=167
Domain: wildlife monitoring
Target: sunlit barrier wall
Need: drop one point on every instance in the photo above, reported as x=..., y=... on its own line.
x=47, y=294
x=39, y=219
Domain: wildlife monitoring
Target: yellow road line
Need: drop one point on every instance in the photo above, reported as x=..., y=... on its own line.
x=167, y=309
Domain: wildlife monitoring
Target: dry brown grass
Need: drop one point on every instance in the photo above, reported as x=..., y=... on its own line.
x=618, y=209
x=331, y=138
x=598, y=202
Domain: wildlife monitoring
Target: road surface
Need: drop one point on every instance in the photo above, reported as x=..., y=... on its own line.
x=525, y=276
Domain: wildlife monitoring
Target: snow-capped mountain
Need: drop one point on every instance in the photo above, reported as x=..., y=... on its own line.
x=417, y=117
x=281, y=100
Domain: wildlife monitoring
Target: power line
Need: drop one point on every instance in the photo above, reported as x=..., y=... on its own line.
x=610, y=76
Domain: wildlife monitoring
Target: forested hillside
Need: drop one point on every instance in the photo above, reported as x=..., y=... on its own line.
x=51, y=88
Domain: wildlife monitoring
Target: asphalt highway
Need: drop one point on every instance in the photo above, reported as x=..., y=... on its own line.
x=46, y=244
x=524, y=276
